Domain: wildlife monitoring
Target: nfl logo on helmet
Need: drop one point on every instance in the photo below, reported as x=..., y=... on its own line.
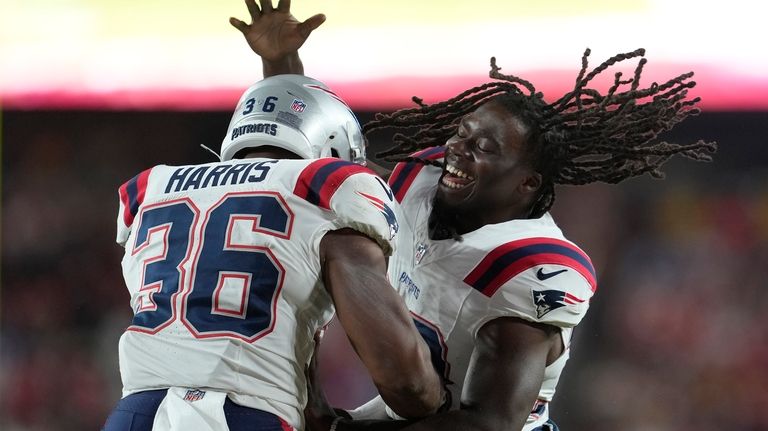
x=298, y=105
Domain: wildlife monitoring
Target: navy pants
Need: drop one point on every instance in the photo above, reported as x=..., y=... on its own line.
x=136, y=412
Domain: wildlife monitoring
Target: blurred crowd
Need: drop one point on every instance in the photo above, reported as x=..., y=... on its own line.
x=676, y=337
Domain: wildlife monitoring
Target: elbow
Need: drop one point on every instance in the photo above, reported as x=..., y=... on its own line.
x=413, y=394
x=408, y=382
x=412, y=402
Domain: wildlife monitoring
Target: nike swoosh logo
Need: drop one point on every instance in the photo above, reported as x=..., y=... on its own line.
x=541, y=275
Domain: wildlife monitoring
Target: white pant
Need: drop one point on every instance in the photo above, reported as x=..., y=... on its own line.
x=183, y=409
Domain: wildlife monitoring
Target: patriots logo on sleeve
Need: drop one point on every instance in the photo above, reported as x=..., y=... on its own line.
x=385, y=210
x=548, y=300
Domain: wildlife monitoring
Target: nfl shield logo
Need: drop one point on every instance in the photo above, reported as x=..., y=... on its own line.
x=421, y=250
x=194, y=395
x=298, y=105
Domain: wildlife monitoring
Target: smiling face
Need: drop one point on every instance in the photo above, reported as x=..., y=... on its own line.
x=488, y=177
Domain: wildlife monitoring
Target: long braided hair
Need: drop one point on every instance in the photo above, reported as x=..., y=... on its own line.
x=582, y=137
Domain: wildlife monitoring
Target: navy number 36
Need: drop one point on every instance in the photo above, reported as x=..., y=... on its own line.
x=218, y=283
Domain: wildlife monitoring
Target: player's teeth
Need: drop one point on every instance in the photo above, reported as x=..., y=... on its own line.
x=450, y=184
x=455, y=171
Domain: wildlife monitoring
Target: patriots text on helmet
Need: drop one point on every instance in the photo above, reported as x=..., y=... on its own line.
x=268, y=128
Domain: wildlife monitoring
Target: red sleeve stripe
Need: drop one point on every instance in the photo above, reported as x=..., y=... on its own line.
x=404, y=173
x=508, y=260
x=132, y=195
x=319, y=180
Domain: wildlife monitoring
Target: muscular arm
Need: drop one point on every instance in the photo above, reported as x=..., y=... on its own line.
x=504, y=377
x=378, y=324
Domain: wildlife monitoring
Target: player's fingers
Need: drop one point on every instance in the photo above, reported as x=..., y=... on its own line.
x=236, y=23
x=284, y=6
x=266, y=6
x=253, y=9
x=308, y=26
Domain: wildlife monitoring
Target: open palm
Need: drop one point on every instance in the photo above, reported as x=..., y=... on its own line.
x=274, y=32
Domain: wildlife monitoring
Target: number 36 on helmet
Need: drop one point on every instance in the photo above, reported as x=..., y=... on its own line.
x=298, y=114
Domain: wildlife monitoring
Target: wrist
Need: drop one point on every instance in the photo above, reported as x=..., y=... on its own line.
x=288, y=64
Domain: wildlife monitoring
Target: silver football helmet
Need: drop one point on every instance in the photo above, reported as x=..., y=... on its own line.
x=299, y=114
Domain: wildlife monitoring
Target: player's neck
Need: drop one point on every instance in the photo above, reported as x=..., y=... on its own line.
x=269, y=152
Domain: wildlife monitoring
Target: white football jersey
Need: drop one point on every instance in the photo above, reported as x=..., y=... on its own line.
x=521, y=268
x=222, y=265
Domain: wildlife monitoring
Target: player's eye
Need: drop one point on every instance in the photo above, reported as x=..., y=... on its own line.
x=485, y=145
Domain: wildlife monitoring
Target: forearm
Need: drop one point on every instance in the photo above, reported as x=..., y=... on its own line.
x=290, y=64
x=399, y=363
x=409, y=400
x=378, y=324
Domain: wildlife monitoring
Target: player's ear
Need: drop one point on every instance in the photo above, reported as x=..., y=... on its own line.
x=531, y=183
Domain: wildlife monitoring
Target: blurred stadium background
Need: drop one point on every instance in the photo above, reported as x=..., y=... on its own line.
x=93, y=92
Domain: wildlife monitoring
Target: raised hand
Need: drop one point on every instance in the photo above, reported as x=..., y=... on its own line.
x=275, y=34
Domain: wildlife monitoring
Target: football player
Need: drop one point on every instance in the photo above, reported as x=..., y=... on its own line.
x=492, y=283
x=233, y=266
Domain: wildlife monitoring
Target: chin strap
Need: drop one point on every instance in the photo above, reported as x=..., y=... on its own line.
x=325, y=151
x=357, y=154
x=211, y=151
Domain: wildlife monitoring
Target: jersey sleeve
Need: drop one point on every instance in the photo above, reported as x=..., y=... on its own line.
x=131, y=195
x=543, y=280
x=359, y=199
x=404, y=174
x=365, y=203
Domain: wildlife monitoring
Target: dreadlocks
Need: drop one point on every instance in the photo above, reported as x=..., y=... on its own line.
x=582, y=137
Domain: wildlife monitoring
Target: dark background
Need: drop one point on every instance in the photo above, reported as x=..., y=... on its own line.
x=676, y=337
